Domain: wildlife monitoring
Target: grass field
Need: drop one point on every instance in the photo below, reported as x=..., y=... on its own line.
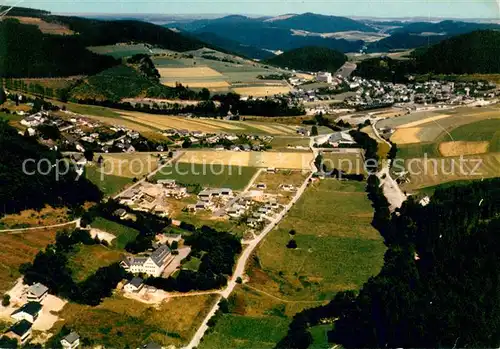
x=349, y=163
x=123, y=234
x=30, y=218
x=119, y=322
x=288, y=160
x=216, y=176
x=243, y=332
x=18, y=249
x=120, y=51
x=338, y=249
x=108, y=184
x=283, y=143
x=85, y=262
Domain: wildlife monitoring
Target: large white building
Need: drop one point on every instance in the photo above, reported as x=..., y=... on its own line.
x=325, y=77
x=151, y=265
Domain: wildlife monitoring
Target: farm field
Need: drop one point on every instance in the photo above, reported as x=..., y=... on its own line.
x=348, y=162
x=273, y=181
x=30, y=218
x=119, y=322
x=236, y=74
x=45, y=27
x=129, y=165
x=213, y=176
x=87, y=259
x=18, y=249
x=123, y=233
x=289, y=160
x=338, y=249
x=121, y=51
x=108, y=184
x=435, y=171
x=163, y=122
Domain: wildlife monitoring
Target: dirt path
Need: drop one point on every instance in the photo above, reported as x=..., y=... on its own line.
x=281, y=299
x=23, y=230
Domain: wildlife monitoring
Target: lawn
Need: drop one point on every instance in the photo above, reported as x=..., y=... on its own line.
x=119, y=322
x=18, y=249
x=243, y=332
x=320, y=337
x=279, y=143
x=87, y=259
x=338, y=249
x=123, y=234
x=108, y=184
x=193, y=264
x=484, y=130
x=350, y=163
x=216, y=176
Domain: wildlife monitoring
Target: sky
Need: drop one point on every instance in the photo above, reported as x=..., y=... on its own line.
x=371, y=8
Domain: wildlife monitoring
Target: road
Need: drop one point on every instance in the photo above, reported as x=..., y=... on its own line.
x=247, y=253
x=390, y=187
x=23, y=230
x=139, y=182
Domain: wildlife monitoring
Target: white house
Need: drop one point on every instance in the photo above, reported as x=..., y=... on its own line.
x=37, y=292
x=71, y=341
x=325, y=77
x=150, y=265
x=28, y=312
x=134, y=285
x=340, y=138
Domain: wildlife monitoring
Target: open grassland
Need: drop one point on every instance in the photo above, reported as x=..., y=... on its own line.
x=484, y=130
x=93, y=110
x=45, y=27
x=338, y=249
x=123, y=233
x=18, y=249
x=273, y=181
x=129, y=165
x=406, y=135
x=434, y=171
x=348, y=162
x=120, y=322
x=289, y=160
x=30, y=218
x=108, y=184
x=262, y=91
x=244, y=332
x=122, y=50
x=87, y=259
x=213, y=176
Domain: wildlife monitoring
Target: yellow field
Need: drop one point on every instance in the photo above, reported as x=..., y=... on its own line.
x=179, y=73
x=139, y=127
x=296, y=161
x=406, y=135
x=261, y=91
x=206, y=84
x=424, y=121
x=128, y=165
x=463, y=148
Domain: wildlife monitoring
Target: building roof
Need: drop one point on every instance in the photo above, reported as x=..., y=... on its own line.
x=31, y=308
x=38, y=289
x=160, y=255
x=152, y=345
x=136, y=282
x=71, y=338
x=20, y=328
x=341, y=136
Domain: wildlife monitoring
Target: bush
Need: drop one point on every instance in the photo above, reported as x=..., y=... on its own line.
x=6, y=300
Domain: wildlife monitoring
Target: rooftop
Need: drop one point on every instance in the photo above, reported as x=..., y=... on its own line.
x=38, y=289
x=31, y=308
x=72, y=337
x=20, y=328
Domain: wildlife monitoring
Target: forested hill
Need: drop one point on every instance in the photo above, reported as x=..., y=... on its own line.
x=20, y=191
x=471, y=53
x=310, y=59
x=26, y=52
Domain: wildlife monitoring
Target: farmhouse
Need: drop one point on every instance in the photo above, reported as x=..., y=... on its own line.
x=28, y=312
x=340, y=138
x=71, y=341
x=37, y=292
x=134, y=285
x=20, y=331
x=152, y=265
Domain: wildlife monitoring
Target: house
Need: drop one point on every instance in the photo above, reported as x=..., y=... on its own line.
x=261, y=186
x=167, y=183
x=325, y=77
x=20, y=331
x=71, y=341
x=28, y=312
x=246, y=147
x=129, y=149
x=200, y=205
x=121, y=213
x=37, y=292
x=340, y=138
x=219, y=147
x=134, y=285
x=234, y=148
x=79, y=160
x=151, y=265
x=271, y=170
x=226, y=192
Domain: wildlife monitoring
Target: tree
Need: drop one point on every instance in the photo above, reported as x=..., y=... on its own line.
x=175, y=245
x=3, y=96
x=89, y=154
x=292, y=232
x=6, y=300
x=292, y=244
x=314, y=131
x=187, y=143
